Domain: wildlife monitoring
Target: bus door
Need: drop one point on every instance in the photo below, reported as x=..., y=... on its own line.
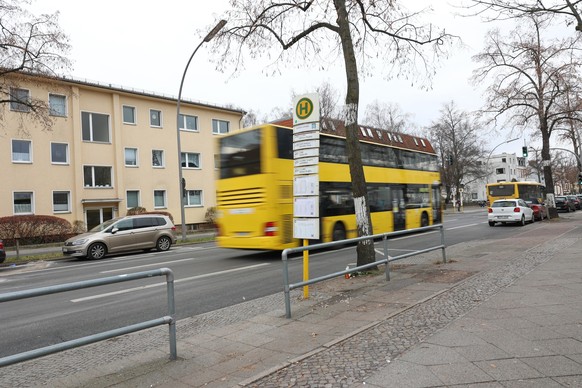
x=398, y=208
x=436, y=205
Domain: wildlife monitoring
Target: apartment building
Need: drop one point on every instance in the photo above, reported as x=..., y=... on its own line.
x=109, y=149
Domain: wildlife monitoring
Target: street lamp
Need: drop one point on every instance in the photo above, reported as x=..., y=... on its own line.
x=494, y=148
x=182, y=185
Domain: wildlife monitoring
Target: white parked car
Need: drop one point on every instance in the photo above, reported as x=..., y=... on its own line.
x=510, y=210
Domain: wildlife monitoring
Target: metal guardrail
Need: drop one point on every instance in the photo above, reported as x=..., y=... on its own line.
x=168, y=319
x=386, y=260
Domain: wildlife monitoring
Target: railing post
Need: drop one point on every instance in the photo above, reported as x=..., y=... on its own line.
x=443, y=243
x=385, y=244
x=286, y=284
x=172, y=314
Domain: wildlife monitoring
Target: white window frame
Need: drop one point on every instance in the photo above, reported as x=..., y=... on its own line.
x=53, y=112
x=165, y=198
x=68, y=193
x=19, y=106
x=183, y=123
x=15, y=212
x=66, y=162
x=185, y=155
x=134, y=109
x=91, y=131
x=29, y=161
x=187, y=199
x=216, y=127
x=137, y=193
x=136, y=151
x=163, y=159
x=160, y=118
x=93, y=186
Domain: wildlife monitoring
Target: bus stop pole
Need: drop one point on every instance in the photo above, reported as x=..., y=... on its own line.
x=305, y=269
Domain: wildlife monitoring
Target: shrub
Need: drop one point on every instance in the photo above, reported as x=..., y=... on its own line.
x=136, y=210
x=34, y=229
x=210, y=216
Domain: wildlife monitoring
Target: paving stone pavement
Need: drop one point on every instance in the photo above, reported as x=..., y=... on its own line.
x=501, y=314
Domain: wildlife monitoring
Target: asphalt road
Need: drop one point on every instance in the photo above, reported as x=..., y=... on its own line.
x=206, y=278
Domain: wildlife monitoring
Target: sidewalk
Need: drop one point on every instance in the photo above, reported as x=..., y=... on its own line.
x=501, y=313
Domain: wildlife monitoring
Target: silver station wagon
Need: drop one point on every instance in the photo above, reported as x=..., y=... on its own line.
x=130, y=233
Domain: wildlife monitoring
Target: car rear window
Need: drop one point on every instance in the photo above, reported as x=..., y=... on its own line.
x=504, y=204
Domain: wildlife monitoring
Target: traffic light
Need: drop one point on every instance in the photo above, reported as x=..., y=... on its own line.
x=524, y=150
x=580, y=178
x=450, y=159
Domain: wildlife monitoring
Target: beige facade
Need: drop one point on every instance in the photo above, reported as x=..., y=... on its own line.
x=109, y=149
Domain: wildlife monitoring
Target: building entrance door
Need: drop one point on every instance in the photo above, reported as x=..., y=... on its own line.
x=96, y=216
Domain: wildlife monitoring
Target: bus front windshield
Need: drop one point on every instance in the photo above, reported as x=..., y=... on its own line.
x=240, y=154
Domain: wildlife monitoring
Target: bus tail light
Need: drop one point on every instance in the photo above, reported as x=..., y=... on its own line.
x=271, y=229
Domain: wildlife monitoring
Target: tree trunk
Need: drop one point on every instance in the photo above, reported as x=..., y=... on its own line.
x=546, y=159
x=365, y=248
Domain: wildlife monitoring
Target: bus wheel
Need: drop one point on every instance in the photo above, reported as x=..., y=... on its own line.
x=424, y=220
x=339, y=232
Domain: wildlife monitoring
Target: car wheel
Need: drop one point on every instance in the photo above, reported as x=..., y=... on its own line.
x=491, y=223
x=522, y=222
x=163, y=244
x=97, y=251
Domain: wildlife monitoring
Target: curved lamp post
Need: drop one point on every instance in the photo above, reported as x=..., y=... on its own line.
x=182, y=186
x=494, y=148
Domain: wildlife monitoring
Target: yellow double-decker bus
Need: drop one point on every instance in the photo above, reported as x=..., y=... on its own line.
x=255, y=185
x=528, y=191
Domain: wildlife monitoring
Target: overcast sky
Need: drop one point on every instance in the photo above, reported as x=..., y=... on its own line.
x=145, y=45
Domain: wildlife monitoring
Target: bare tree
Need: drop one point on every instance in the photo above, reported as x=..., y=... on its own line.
x=510, y=9
x=321, y=32
x=530, y=79
x=460, y=148
x=387, y=116
x=29, y=45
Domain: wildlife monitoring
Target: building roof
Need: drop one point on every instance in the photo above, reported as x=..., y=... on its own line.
x=336, y=127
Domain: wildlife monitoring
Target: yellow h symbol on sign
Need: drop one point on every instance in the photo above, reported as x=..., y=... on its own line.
x=304, y=108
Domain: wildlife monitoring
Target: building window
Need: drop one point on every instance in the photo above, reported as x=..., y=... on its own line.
x=132, y=198
x=97, y=176
x=157, y=158
x=131, y=157
x=57, y=105
x=189, y=123
x=155, y=118
x=503, y=160
x=95, y=127
x=23, y=203
x=193, y=198
x=22, y=151
x=59, y=153
x=61, y=201
x=128, y=114
x=19, y=100
x=190, y=160
x=220, y=126
x=159, y=199
x=500, y=171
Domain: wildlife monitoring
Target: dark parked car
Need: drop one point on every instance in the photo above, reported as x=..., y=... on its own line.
x=540, y=210
x=564, y=204
x=2, y=252
x=575, y=200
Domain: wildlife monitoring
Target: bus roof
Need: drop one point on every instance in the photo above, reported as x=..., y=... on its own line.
x=336, y=127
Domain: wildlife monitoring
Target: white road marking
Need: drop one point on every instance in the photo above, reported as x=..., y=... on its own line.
x=98, y=296
x=147, y=265
x=462, y=226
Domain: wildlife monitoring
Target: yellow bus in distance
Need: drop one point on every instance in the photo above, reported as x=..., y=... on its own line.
x=528, y=191
x=255, y=185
